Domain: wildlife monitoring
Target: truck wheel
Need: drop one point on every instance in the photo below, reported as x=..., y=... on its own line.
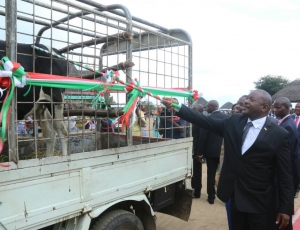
x=118, y=220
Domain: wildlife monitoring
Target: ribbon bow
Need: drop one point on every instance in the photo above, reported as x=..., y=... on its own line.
x=11, y=74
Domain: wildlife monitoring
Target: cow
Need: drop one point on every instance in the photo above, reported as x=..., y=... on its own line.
x=49, y=107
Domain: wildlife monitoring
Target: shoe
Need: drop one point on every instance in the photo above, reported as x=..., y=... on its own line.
x=296, y=194
x=197, y=194
x=211, y=201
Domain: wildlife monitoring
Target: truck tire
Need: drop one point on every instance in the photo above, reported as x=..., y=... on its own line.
x=118, y=220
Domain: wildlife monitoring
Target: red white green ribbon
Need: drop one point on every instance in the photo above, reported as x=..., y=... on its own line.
x=13, y=74
x=150, y=91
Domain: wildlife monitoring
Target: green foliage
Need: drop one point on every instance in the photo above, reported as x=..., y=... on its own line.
x=148, y=105
x=272, y=84
x=2, y=158
x=109, y=100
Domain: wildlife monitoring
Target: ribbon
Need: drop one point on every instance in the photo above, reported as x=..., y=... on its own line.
x=13, y=74
x=143, y=92
x=98, y=99
x=130, y=107
x=109, y=75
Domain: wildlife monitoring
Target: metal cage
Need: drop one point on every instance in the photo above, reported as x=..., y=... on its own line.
x=101, y=37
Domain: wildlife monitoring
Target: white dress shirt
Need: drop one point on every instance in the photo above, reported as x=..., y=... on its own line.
x=253, y=133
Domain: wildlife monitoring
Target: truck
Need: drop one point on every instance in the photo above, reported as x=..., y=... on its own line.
x=109, y=179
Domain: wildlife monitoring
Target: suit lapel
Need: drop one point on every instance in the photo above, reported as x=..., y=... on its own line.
x=285, y=121
x=263, y=132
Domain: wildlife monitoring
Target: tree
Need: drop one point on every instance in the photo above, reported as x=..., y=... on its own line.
x=148, y=105
x=272, y=84
x=109, y=100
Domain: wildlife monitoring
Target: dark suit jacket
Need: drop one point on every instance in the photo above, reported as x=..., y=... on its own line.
x=196, y=136
x=251, y=177
x=298, y=128
x=210, y=143
x=289, y=125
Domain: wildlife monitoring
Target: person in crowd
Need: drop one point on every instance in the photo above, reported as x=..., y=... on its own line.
x=25, y=126
x=233, y=109
x=197, y=158
x=138, y=128
x=139, y=122
x=256, y=172
x=156, y=121
x=271, y=112
x=29, y=124
x=91, y=123
x=170, y=126
x=282, y=111
x=210, y=147
x=296, y=118
x=240, y=104
x=71, y=123
x=185, y=126
x=21, y=127
x=144, y=111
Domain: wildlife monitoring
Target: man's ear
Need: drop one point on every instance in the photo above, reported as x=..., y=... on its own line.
x=265, y=108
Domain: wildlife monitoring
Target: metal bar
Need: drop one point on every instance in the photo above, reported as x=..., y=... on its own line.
x=93, y=112
x=110, y=38
x=57, y=23
x=120, y=20
x=11, y=52
x=40, y=22
x=128, y=44
x=111, y=8
x=78, y=6
x=140, y=49
x=76, y=14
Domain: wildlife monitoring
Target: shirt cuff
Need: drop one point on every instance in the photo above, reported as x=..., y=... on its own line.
x=177, y=108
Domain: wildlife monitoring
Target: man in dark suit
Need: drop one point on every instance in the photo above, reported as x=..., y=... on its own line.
x=197, y=159
x=296, y=118
x=282, y=111
x=210, y=147
x=256, y=172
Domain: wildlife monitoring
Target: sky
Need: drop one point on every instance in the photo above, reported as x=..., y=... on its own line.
x=234, y=42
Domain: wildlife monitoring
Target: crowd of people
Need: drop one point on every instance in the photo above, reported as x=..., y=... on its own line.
x=260, y=169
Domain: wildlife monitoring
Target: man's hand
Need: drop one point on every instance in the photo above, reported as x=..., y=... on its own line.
x=167, y=101
x=199, y=158
x=283, y=220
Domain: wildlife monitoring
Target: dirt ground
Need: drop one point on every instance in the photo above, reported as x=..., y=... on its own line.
x=203, y=216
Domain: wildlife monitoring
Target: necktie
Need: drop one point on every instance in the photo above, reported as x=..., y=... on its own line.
x=246, y=130
x=296, y=120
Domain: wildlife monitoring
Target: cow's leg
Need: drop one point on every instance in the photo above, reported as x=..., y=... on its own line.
x=45, y=118
x=60, y=128
x=49, y=134
x=58, y=124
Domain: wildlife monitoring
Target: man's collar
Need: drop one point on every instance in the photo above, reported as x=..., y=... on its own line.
x=282, y=119
x=258, y=122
